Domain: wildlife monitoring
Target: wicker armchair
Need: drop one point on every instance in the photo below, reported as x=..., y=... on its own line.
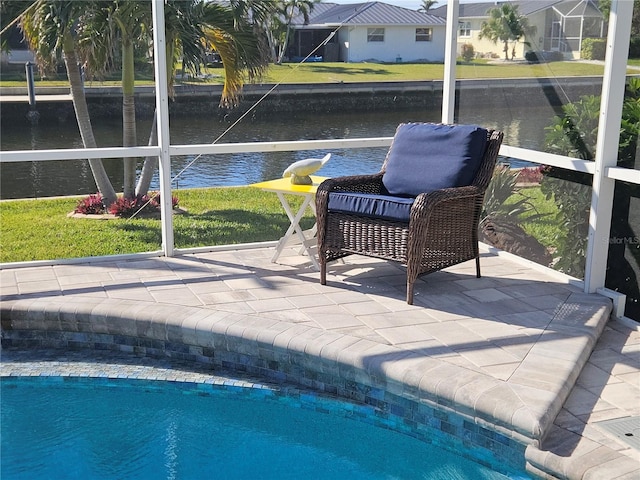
x=371, y=215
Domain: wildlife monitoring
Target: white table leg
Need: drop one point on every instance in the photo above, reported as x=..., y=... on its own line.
x=294, y=227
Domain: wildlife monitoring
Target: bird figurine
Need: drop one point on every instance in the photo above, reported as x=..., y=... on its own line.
x=299, y=171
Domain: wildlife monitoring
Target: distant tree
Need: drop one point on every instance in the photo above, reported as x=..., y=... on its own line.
x=426, y=5
x=506, y=25
x=10, y=11
x=605, y=8
x=287, y=11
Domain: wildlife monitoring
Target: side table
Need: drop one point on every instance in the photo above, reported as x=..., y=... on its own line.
x=306, y=238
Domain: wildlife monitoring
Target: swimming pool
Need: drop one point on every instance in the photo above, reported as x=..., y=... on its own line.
x=104, y=428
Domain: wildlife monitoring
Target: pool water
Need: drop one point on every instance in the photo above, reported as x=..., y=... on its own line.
x=85, y=428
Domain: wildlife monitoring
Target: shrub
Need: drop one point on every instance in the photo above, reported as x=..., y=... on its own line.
x=501, y=189
x=531, y=56
x=467, y=52
x=127, y=207
x=91, y=205
x=634, y=47
x=122, y=207
x=553, y=56
x=593, y=49
x=530, y=175
x=155, y=200
x=575, y=134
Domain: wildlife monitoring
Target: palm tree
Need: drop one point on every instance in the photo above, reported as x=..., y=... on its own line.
x=426, y=5
x=505, y=25
x=50, y=28
x=288, y=9
x=113, y=24
x=195, y=27
x=94, y=28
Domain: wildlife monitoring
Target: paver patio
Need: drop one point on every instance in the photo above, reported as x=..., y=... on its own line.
x=520, y=349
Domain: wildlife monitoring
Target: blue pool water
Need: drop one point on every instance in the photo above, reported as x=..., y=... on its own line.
x=66, y=428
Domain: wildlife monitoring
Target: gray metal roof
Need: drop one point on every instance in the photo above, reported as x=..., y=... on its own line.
x=480, y=9
x=367, y=13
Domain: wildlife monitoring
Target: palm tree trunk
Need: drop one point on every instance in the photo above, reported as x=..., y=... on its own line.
x=150, y=163
x=84, y=122
x=283, y=50
x=128, y=116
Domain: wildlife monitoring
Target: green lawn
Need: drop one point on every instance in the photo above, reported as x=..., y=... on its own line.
x=40, y=229
x=365, y=72
x=545, y=228
x=376, y=72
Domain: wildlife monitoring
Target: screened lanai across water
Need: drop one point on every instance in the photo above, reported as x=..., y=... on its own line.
x=570, y=23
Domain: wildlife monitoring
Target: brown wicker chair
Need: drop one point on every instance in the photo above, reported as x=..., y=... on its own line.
x=442, y=225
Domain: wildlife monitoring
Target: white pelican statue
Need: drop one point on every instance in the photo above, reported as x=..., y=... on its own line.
x=299, y=171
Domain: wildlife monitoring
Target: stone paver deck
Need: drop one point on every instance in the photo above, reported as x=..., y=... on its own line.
x=520, y=351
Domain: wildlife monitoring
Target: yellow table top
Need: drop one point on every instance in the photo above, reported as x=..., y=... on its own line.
x=284, y=185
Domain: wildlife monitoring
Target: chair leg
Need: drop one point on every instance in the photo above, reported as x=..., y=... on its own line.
x=410, y=293
x=478, y=266
x=323, y=271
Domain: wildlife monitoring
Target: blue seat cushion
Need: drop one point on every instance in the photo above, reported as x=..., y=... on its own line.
x=379, y=206
x=425, y=157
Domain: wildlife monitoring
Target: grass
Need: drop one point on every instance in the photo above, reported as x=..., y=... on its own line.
x=377, y=72
x=545, y=228
x=362, y=72
x=40, y=229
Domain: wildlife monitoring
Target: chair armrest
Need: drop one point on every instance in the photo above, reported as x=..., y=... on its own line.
x=427, y=203
x=445, y=218
x=354, y=183
x=447, y=194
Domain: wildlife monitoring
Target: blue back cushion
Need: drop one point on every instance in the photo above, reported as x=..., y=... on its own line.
x=425, y=157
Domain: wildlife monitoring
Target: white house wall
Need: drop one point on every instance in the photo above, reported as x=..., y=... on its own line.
x=399, y=42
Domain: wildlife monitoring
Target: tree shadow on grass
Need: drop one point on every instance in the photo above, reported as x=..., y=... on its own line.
x=338, y=70
x=218, y=227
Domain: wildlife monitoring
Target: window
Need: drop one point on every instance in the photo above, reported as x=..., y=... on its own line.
x=423, y=34
x=375, y=34
x=464, y=29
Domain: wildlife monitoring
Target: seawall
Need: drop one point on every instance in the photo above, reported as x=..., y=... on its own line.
x=326, y=97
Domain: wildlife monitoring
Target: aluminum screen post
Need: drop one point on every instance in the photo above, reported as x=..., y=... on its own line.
x=612, y=99
x=162, y=109
x=450, y=55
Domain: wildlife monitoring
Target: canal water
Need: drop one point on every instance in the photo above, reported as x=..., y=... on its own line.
x=522, y=127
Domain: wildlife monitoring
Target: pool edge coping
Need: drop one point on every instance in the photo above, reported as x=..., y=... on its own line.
x=353, y=358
